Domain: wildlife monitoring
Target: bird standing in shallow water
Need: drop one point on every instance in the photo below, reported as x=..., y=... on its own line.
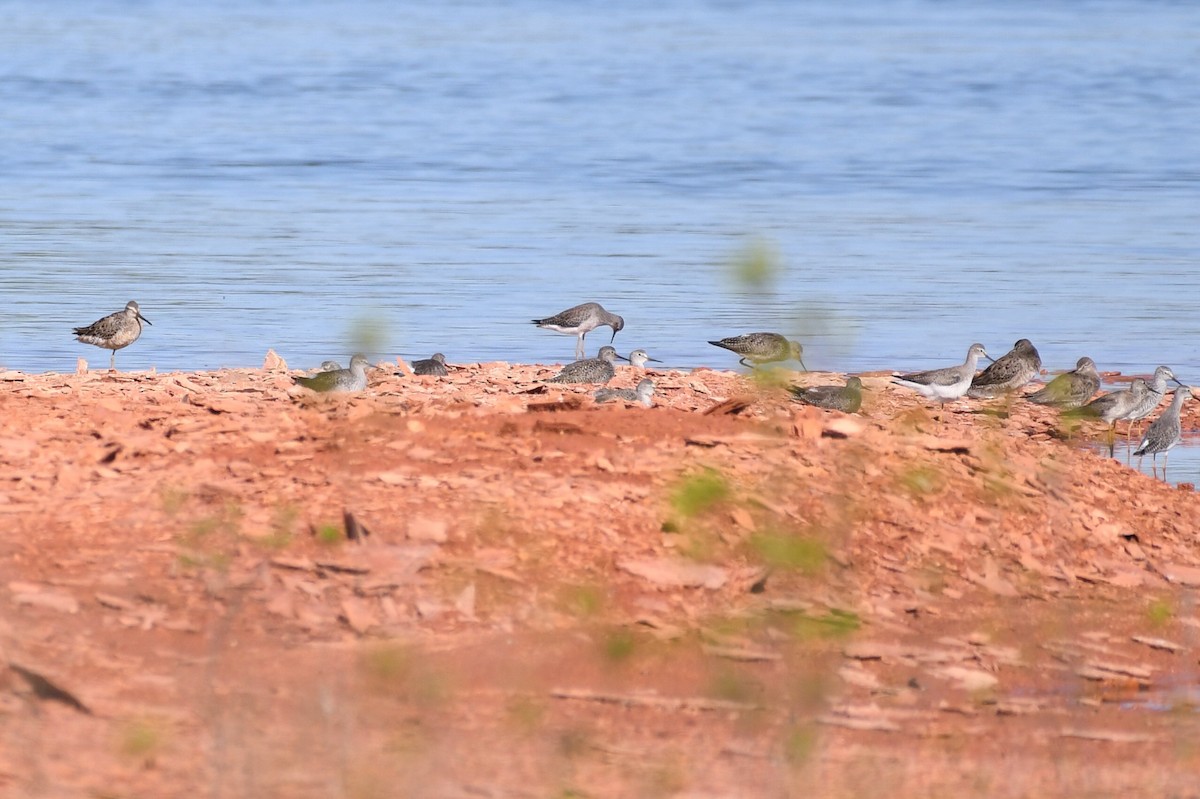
x=1165, y=432
x=847, y=398
x=590, y=370
x=1115, y=406
x=581, y=320
x=760, y=348
x=115, y=331
x=339, y=380
x=1070, y=389
x=1007, y=373
x=945, y=384
x=435, y=366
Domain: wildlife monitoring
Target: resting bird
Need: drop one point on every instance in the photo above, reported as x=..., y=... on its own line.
x=115, y=331
x=435, y=366
x=641, y=395
x=1070, y=389
x=1007, y=373
x=339, y=380
x=590, y=370
x=847, y=398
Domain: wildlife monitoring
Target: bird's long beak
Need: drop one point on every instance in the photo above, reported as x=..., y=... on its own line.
x=802, y=366
x=144, y=319
x=1176, y=381
x=655, y=360
x=614, y=338
x=622, y=357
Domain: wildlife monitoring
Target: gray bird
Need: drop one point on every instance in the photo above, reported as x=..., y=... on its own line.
x=847, y=398
x=590, y=370
x=435, y=366
x=1157, y=389
x=581, y=320
x=339, y=380
x=115, y=331
x=945, y=384
x=1070, y=389
x=1007, y=373
x=642, y=394
x=639, y=358
x=329, y=366
x=1165, y=432
x=1115, y=406
x=760, y=348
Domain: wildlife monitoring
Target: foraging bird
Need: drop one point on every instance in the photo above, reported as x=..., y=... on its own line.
x=639, y=358
x=581, y=320
x=945, y=384
x=1165, y=432
x=641, y=395
x=339, y=380
x=760, y=348
x=1007, y=373
x=115, y=331
x=847, y=398
x=590, y=370
x=1070, y=389
x=435, y=366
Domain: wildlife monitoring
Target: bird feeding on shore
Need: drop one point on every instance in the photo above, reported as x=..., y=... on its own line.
x=757, y=349
x=115, y=331
x=338, y=380
x=581, y=320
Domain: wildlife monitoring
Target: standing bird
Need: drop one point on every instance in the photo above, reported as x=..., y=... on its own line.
x=760, y=348
x=1165, y=432
x=1115, y=406
x=591, y=370
x=1007, y=373
x=115, y=331
x=945, y=384
x=435, y=366
x=641, y=395
x=847, y=398
x=581, y=320
x=339, y=380
x=1151, y=399
x=639, y=358
x=1070, y=389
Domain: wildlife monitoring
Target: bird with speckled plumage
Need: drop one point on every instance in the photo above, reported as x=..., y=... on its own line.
x=115, y=331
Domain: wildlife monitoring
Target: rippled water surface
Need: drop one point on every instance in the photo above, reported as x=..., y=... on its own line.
x=317, y=177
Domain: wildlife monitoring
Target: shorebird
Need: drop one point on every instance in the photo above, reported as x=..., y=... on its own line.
x=847, y=398
x=435, y=366
x=945, y=384
x=1164, y=433
x=329, y=366
x=590, y=370
x=1157, y=389
x=1007, y=373
x=339, y=380
x=760, y=348
x=1070, y=389
x=581, y=320
x=115, y=331
x=1115, y=406
x=639, y=358
x=642, y=394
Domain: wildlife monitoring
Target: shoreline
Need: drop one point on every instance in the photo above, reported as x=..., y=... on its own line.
x=802, y=588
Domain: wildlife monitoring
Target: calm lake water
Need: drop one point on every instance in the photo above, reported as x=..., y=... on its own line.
x=408, y=177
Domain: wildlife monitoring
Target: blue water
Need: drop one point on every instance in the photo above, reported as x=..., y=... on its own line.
x=408, y=177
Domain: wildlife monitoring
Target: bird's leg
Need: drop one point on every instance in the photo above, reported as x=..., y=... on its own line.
x=1112, y=438
x=579, y=351
x=112, y=362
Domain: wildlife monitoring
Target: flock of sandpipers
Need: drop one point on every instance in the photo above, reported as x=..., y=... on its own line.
x=1072, y=391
